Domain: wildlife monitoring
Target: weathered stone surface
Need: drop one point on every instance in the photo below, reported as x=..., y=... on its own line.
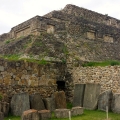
x=36, y=102
x=49, y=103
x=92, y=92
x=1, y=68
x=62, y=113
x=30, y=115
x=116, y=103
x=5, y=108
x=1, y=116
x=76, y=111
x=78, y=95
x=19, y=104
x=105, y=99
x=60, y=100
x=44, y=114
x=0, y=106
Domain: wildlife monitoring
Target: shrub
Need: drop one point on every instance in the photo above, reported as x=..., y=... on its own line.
x=114, y=63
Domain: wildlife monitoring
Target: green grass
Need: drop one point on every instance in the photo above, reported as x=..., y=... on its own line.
x=12, y=118
x=88, y=115
x=103, y=63
x=11, y=57
x=40, y=62
x=16, y=57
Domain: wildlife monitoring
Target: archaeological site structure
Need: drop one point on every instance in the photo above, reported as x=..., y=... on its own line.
x=46, y=54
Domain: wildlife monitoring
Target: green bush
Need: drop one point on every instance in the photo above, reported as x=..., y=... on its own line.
x=69, y=105
x=115, y=63
x=103, y=63
x=43, y=62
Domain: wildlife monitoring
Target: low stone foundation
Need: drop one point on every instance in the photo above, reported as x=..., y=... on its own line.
x=76, y=111
x=62, y=113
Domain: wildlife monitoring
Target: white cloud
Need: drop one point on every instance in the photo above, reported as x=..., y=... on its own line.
x=13, y=12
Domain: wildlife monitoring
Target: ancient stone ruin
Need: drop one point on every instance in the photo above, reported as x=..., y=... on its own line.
x=58, y=44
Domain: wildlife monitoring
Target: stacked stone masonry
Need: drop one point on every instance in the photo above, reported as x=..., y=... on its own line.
x=91, y=15
x=21, y=76
x=108, y=76
x=73, y=20
x=35, y=26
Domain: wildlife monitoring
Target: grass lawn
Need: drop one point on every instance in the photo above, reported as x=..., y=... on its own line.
x=88, y=115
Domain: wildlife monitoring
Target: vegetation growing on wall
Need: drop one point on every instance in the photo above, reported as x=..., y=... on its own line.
x=15, y=57
x=103, y=63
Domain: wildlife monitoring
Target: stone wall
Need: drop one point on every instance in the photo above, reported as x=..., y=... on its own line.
x=73, y=20
x=79, y=26
x=91, y=15
x=108, y=77
x=21, y=76
x=35, y=26
x=3, y=37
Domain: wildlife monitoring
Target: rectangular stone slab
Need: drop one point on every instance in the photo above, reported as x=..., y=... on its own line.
x=19, y=103
x=105, y=99
x=116, y=103
x=78, y=95
x=49, y=103
x=60, y=100
x=1, y=116
x=92, y=92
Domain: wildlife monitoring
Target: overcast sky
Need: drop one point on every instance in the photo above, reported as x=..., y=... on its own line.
x=13, y=12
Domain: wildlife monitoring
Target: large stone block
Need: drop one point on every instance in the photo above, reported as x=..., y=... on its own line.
x=104, y=100
x=30, y=115
x=116, y=103
x=1, y=116
x=1, y=68
x=60, y=100
x=49, y=103
x=78, y=95
x=19, y=104
x=62, y=113
x=44, y=114
x=36, y=102
x=92, y=92
x=0, y=106
x=76, y=111
x=5, y=108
